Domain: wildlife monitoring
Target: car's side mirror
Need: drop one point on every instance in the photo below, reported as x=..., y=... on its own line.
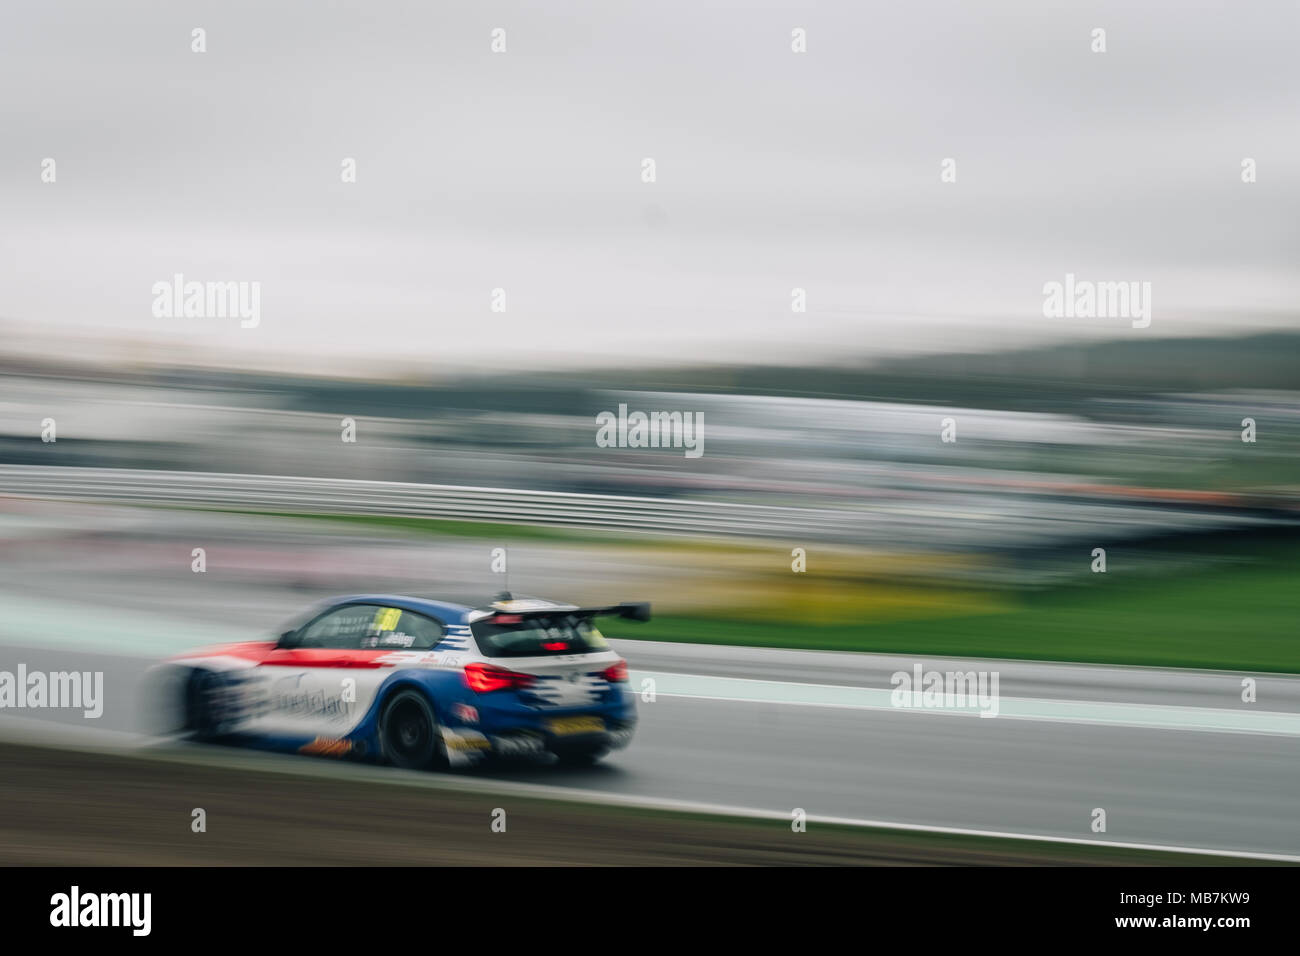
x=639, y=611
x=286, y=639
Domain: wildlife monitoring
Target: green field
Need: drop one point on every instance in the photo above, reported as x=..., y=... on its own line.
x=1243, y=616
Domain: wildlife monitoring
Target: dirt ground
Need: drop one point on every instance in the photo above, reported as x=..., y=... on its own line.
x=69, y=808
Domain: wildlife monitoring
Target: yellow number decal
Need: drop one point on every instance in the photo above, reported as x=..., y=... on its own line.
x=386, y=619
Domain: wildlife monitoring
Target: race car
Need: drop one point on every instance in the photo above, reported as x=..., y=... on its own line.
x=418, y=683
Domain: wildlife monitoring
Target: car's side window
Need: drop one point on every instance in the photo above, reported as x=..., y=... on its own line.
x=401, y=630
x=343, y=627
x=370, y=627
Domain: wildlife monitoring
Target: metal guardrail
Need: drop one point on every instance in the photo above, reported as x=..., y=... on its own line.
x=1015, y=521
x=354, y=496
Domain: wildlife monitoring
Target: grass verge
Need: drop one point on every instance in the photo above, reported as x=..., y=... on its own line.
x=1243, y=616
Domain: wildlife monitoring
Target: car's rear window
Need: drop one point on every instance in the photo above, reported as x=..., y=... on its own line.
x=513, y=635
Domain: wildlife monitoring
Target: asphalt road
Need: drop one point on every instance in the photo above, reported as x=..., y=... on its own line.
x=1194, y=789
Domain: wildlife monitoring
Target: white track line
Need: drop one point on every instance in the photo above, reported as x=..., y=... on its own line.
x=845, y=697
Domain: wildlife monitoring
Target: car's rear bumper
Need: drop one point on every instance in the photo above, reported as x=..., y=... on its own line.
x=467, y=746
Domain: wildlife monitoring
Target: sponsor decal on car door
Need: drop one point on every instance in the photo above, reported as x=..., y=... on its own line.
x=317, y=690
x=327, y=690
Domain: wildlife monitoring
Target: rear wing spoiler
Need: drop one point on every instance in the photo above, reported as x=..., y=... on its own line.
x=628, y=610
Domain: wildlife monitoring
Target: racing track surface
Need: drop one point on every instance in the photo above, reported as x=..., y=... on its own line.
x=1192, y=789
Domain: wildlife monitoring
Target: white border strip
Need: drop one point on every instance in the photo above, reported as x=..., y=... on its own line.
x=1091, y=712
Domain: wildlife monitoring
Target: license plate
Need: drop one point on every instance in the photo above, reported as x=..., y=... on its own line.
x=575, y=725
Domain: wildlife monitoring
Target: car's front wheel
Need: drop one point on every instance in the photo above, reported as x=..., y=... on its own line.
x=409, y=732
x=206, y=704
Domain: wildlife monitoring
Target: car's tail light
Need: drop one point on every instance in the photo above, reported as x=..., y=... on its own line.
x=615, y=673
x=483, y=678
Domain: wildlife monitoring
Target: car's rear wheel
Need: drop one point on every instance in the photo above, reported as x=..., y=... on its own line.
x=409, y=732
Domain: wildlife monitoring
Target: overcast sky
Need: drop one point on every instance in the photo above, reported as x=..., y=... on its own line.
x=522, y=170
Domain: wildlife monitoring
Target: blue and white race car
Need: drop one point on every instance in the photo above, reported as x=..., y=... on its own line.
x=418, y=683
